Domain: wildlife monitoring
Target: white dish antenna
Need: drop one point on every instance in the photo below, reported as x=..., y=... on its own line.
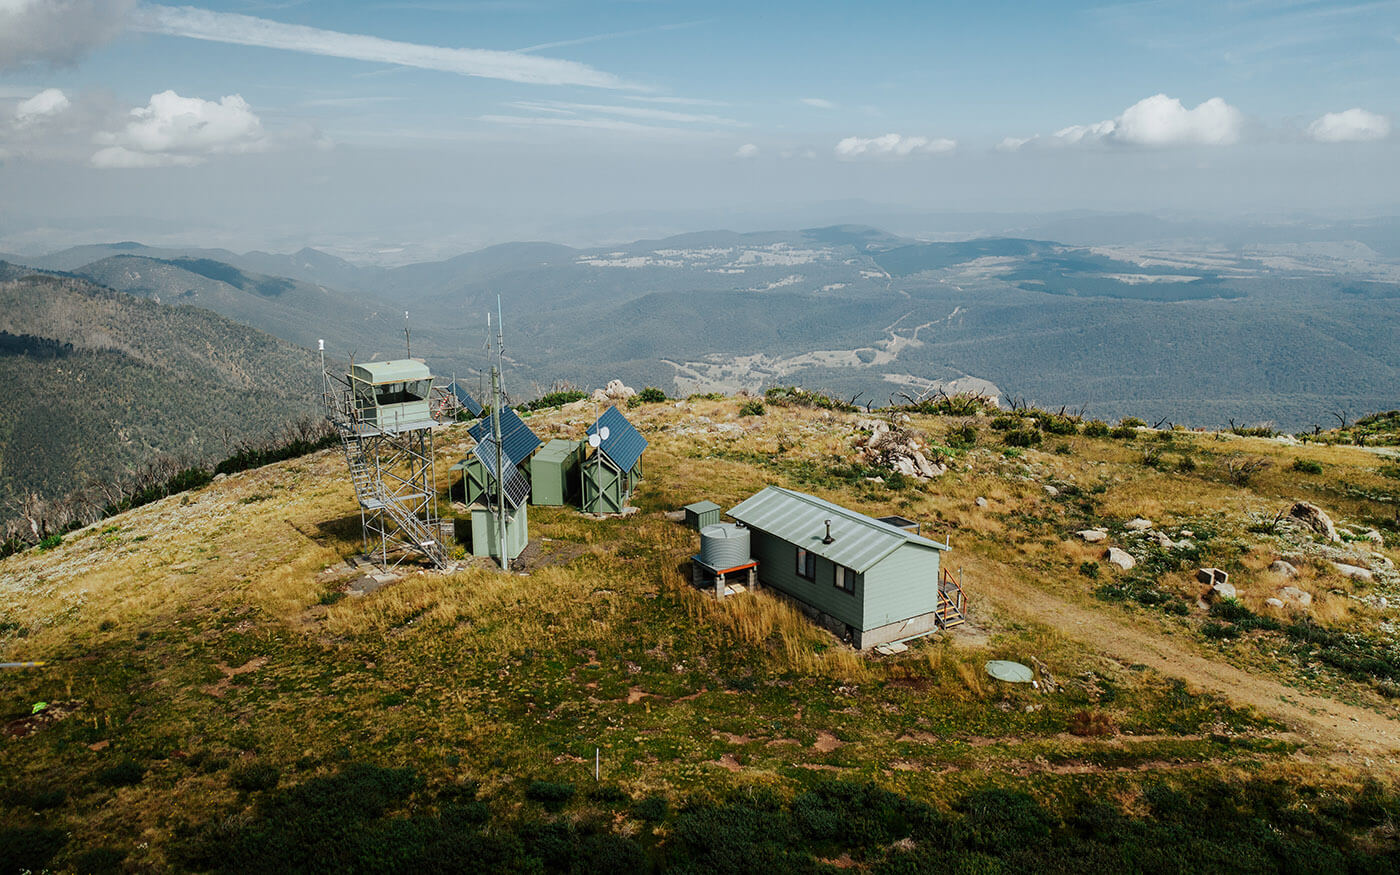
x=594, y=441
x=603, y=433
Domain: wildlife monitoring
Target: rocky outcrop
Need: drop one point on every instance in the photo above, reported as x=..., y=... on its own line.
x=1283, y=568
x=1314, y=518
x=898, y=449
x=616, y=391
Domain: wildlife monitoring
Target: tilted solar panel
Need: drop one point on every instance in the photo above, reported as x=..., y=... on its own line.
x=464, y=398
x=517, y=441
x=516, y=488
x=623, y=444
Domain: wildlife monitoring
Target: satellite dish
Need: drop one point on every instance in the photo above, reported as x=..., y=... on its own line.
x=603, y=433
x=594, y=441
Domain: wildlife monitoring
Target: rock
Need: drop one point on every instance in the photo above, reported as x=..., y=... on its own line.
x=1296, y=595
x=1093, y=536
x=1184, y=544
x=1222, y=591
x=1187, y=533
x=1273, y=602
x=1120, y=558
x=1051, y=491
x=1138, y=525
x=1355, y=572
x=1282, y=568
x=1371, y=535
x=675, y=516
x=1314, y=518
x=219, y=477
x=1162, y=540
x=981, y=502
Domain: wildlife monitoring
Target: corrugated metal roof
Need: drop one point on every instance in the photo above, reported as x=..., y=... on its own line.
x=464, y=398
x=517, y=441
x=858, y=541
x=392, y=371
x=701, y=506
x=517, y=488
x=624, y=444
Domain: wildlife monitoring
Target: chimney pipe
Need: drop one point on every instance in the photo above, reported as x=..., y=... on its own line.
x=828, y=539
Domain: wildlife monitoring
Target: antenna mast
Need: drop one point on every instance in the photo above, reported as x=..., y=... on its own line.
x=496, y=433
x=407, y=342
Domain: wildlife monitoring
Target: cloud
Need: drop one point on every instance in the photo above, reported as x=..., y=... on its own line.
x=1013, y=144
x=892, y=146
x=638, y=112
x=818, y=102
x=1160, y=121
x=48, y=102
x=181, y=131
x=1350, y=126
x=748, y=150
x=57, y=32
x=245, y=30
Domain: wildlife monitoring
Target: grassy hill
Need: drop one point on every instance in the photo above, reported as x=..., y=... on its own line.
x=216, y=700
x=98, y=383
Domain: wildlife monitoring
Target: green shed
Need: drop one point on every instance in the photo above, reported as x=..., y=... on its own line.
x=485, y=536
x=701, y=514
x=613, y=469
x=474, y=480
x=862, y=578
x=392, y=395
x=554, y=473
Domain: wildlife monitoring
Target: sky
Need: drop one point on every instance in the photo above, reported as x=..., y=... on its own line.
x=385, y=130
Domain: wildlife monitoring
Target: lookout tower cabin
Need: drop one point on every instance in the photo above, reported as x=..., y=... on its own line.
x=392, y=396
x=862, y=578
x=612, y=464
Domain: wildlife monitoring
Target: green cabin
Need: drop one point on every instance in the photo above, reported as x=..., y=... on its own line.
x=861, y=578
x=554, y=479
x=611, y=466
x=392, y=396
x=486, y=535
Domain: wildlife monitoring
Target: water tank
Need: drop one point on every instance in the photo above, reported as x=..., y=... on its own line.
x=724, y=545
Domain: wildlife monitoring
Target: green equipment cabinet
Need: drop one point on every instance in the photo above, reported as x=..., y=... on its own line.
x=702, y=514
x=485, y=536
x=554, y=477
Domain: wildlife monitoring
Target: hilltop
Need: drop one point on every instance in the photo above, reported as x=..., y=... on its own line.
x=217, y=697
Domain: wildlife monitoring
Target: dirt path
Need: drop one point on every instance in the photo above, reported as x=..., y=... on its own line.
x=1324, y=721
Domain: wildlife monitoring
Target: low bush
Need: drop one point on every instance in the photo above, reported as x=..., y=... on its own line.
x=1307, y=466
x=1096, y=428
x=254, y=777
x=648, y=395
x=552, y=795
x=753, y=407
x=1021, y=437
x=1123, y=433
x=557, y=398
x=123, y=773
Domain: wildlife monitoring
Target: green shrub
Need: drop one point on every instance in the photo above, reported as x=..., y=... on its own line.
x=1131, y=422
x=1307, y=466
x=963, y=436
x=254, y=777
x=652, y=809
x=1089, y=569
x=557, y=399
x=1005, y=423
x=751, y=408
x=50, y=542
x=1063, y=449
x=648, y=395
x=552, y=795
x=1185, y=464
x=1021, y=437
x=29, y=848
x=1123, y=433
x=123, y=773
x=796, y=396
x=1096, y=428
x=1219, y=631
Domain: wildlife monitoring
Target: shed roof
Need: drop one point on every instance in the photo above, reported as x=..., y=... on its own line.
x=624, y=444
x=701, y=506
x=557, y=450
x=517, y=441
x=858, y=541
x=391, y=371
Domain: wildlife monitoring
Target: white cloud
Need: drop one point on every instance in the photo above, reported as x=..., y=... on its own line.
x=599, y=124
x=1160, y=121
x=818, y=102
x=57, y=32
x=246, y=30
x=892, y=145
x=1013, y=144
x=48, y=102
x=1350, y=126
x=182, y=131
x=637, y=112
x=748, y=150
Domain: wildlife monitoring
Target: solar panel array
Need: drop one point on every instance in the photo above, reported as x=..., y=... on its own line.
x=517, y=441
x=623, y=444
x=464, y=398
x=515, y=489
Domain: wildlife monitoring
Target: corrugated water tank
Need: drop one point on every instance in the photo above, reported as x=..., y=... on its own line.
x=724, y=546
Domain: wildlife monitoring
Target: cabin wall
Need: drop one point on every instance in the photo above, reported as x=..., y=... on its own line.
x=902, y=585
x=778, y=568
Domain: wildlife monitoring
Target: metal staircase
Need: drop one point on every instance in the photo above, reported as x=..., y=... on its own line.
x=952, y=604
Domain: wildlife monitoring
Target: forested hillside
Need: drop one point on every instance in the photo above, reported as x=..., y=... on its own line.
x=97, y=382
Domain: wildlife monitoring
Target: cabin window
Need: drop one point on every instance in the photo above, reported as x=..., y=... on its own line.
x=806, y=564
x=845, y=579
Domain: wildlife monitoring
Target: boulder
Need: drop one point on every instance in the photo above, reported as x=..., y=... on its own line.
x=1051, y=491
x=981, y=502
x=1296, y=596
x=1162, y=540
x=1222, y=591
x=1121, y=558
x=1282, y=568
x=1355, y=572
x=1314, y=518
x=1273, y=602
x=1093, y=536
x=1184, y=544
x=1371, y=535
x=1138, y=525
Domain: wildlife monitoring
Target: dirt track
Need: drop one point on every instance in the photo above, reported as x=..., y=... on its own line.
x=1335, y=726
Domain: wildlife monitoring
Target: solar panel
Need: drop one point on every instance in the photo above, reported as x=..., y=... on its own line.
x=623, y=444
x=516, y=488
x=517, y=441
x=464, y=398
